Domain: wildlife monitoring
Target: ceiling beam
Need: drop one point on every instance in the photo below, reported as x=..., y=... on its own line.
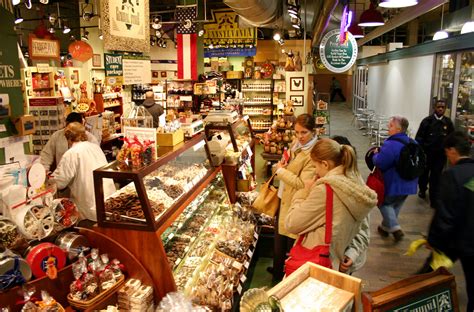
x=404, y=17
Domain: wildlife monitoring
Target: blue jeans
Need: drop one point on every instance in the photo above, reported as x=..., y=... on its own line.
x=390, y=209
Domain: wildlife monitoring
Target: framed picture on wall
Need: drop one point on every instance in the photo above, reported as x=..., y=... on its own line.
x=126, y=25
x=297, y=84
x=298, y=100
x=75, y=76
x=96, y=60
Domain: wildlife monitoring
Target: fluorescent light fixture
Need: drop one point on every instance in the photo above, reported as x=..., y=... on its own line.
x=391, y=4
x=440, y=35
x=467, y=28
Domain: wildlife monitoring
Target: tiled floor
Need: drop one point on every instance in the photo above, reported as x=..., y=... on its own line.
x=386, y=262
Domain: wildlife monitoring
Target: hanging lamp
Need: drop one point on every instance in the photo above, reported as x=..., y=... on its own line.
x=392, y=4
x=371, y=17
x=441, y=34
x=355, y=29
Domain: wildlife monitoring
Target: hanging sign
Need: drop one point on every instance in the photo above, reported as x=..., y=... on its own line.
x=223, y=37
x=113, y=69
x=43, y=48
x=80, y=50
x=126, y=25
x=335, y=56
x=136, y=70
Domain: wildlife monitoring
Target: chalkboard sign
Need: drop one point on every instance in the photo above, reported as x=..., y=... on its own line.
x=435, y=291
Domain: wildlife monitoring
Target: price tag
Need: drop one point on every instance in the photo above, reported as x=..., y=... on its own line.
x=246, y=264
x=254, y=243
x=255, y=235
x=249, y=151
x=239, y=289
x=243, y=278
x=237, y=265
x=250, y=253
x=186, y=249
x=246, y=117
x=170, y=236
x=177, y=261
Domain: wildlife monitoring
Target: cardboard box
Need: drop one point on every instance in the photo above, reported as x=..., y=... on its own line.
x=25, y=125
x=170, y=139
x=235, y=74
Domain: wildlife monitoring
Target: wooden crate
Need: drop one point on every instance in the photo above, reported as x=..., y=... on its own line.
x=170, y=139
x=339, y=291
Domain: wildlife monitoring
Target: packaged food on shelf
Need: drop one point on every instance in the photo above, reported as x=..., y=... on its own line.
x=94, y=279
x=134, y=296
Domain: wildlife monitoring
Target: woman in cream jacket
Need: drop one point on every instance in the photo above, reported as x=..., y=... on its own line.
x=335, y=165
x=292, y=174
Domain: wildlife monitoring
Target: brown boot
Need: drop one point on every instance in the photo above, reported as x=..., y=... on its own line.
x=398, y=235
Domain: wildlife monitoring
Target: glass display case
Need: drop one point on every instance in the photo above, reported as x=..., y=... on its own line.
x=464, y=117
x=150, y=194
x=453, y=82
x=237, y=135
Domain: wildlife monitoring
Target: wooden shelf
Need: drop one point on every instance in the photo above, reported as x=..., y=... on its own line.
x=42, y=89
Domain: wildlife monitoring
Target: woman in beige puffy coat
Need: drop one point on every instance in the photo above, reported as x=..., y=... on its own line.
x=292, y=174
x=335, y=165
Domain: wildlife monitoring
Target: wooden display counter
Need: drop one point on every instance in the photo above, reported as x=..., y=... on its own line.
x=59, y=288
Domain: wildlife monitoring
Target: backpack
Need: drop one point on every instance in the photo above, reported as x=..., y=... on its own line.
x=412, y=161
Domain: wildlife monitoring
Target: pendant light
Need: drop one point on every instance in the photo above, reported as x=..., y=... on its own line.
x=441, y=34
x=371, y=17
x=392, y=4
x=355, y=29
x=467, y=28
x=16, y=2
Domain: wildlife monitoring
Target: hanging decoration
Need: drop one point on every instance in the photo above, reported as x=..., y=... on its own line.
x=81, y=51
x=187, y=41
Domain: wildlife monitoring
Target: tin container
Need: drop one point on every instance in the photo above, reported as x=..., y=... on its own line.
x=7, y=263
x=42, y=255
x=72, y=243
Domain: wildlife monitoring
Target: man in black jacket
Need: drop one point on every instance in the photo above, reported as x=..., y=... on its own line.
x=431, y=134
x=451, y=230
x=155, y=110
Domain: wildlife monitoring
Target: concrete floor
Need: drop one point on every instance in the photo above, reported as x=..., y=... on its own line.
x=386, y=262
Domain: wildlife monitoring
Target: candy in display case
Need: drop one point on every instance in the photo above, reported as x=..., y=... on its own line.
x=150, y=194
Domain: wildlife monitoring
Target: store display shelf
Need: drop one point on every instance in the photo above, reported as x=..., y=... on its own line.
x=107, y=96
x=258, y=103
x=258, y=90
x=257, y=115
x=110, y=106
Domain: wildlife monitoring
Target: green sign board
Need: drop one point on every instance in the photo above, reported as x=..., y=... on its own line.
x=11, y=96
x=335, y=56
x=113, y=68
x=440, y=301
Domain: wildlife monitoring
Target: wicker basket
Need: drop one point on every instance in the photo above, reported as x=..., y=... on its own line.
x=79, y=304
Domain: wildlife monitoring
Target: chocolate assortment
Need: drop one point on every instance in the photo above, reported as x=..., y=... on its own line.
x=10, y=237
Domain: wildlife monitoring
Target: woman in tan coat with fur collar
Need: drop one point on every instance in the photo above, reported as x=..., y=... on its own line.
x=335, y=165
x=292, y=175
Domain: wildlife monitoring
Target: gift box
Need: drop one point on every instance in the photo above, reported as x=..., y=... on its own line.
x=170, y=139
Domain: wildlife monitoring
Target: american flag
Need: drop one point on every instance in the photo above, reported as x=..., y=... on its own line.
x=186, y=40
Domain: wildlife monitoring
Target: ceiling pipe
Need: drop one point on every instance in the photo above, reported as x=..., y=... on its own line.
x=322, y=21
x=405, y=16
x=258, y=13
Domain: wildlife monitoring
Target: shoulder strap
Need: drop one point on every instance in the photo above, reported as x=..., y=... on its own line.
x=329, y=210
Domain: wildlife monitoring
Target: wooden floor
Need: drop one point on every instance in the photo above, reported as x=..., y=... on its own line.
x=386, y=262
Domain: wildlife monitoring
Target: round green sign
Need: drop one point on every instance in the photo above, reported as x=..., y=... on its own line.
x=338, y=57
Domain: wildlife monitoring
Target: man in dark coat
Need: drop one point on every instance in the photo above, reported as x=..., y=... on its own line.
x=431, y=134
x=155, y=110
x=451, y=230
